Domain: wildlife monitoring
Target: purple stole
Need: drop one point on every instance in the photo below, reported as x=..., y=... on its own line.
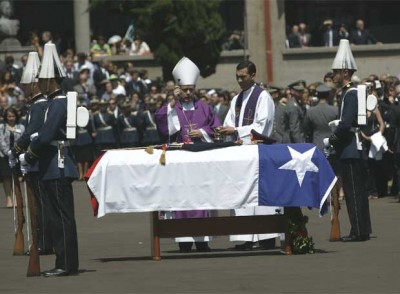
x=249, y=111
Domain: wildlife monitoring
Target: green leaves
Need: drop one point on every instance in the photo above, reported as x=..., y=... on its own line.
x=175, y=28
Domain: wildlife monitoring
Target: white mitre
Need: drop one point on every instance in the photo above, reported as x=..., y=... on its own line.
x=31, y=69
x=185, y=72
x=50, y=62
x=344, y=58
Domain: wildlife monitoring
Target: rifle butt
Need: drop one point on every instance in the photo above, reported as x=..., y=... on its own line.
x=34, y=263
x=19, y=243
x=34, y=259
x=19, y=235
x=335, y=230
x=335, y=224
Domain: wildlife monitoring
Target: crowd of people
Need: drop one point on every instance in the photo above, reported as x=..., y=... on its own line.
x=329, y=35
x=123, y=100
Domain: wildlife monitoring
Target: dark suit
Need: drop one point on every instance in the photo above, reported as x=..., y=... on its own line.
x=326, y=36
x=294, y=40
x=362, y=37
x=316, y=123
x=70, y=81
x=352, y=169
x=293, y=122
x=394, y=144
x=100, y=74
x=278, y=132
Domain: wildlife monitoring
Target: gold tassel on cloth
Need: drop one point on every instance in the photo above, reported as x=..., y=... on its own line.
x=150, y=149
x=164, y=151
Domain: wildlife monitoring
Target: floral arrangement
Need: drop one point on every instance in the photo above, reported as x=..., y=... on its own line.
x=301, y=243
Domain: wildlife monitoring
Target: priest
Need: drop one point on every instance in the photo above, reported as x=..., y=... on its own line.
x=187, y=119
x=252, y=109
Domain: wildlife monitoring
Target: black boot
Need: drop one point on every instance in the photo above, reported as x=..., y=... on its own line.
x=185, y=247
x=267, y=244
x=246, y=246
x=202, y=247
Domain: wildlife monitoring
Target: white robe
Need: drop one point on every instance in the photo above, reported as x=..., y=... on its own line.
x=263, y=124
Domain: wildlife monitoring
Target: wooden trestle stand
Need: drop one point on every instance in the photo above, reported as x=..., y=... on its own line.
x=219, y=226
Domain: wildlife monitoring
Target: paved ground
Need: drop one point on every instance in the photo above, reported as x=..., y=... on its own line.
x=114, y=257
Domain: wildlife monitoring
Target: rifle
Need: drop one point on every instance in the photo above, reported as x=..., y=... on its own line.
x=335, y=225
x=19, y=235
x=27, y=216
x=34, y=260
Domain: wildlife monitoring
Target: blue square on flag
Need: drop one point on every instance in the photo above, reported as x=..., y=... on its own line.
x=294, y=175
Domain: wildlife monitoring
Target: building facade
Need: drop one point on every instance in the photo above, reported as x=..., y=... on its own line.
x=265, y=23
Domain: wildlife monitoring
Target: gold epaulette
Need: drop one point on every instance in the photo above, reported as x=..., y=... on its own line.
x=18, y=149
x=31, y=153
x=333, y=139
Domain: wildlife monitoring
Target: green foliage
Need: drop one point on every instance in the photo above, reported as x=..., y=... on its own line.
x=301, y=243
x=175, y=28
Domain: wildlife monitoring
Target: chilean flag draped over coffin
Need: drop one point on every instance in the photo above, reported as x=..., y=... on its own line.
x=226, y=178
x=294, y=175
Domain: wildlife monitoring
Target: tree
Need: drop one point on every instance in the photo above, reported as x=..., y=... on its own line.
x=175, y=28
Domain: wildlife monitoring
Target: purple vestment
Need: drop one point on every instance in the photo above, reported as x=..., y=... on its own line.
x=202, y=115
x=204, y=118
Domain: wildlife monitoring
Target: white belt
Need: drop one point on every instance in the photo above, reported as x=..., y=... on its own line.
x=130, y=129
x=56, y=143
x=60, y=153
x=354, y=129
x=82, y=131
x=104, y=128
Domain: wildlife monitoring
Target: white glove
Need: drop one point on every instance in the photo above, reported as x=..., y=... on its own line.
x=326, y=142
x=327, y=151
x=12, y=161
x=24, y=165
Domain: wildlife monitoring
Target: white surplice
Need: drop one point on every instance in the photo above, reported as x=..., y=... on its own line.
x=263, y=124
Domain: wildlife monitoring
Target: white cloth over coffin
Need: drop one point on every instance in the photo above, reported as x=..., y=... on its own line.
x=134, y=181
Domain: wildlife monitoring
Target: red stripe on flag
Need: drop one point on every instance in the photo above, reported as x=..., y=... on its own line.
x=93, y=200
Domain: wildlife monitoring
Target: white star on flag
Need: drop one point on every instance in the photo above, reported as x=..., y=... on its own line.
x=300, y=163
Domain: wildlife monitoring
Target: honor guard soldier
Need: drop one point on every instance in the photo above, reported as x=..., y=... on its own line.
x=128, y=126
x=82, y=147
x=35, y=120
x=345, y=140
x=104, y=122
x=57, y=168
x=150, y=133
